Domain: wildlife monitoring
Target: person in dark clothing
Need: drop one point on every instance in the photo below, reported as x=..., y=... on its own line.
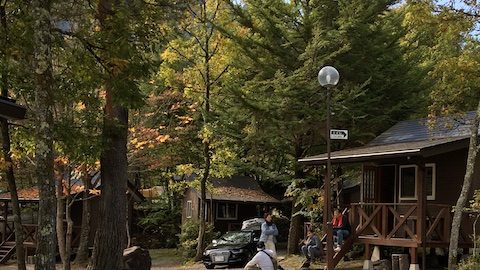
x=341, y=228
x=312, y=247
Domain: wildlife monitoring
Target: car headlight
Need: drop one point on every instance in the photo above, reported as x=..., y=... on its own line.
x=237, y=251
x=206, y=253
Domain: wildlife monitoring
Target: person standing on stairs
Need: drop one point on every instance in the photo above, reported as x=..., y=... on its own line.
x=269, y=233
x=341, y=228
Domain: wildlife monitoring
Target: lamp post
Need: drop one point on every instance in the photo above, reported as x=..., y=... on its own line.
x=328, y=77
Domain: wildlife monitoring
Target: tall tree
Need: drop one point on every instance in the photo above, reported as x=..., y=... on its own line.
x=283, y=45
x=197, y=55
x=42, y=67
x=6, y=145
x=109, y=244
x=124, y=36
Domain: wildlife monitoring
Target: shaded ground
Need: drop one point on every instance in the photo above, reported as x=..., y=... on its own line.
x=294, y=262
x=169, y=259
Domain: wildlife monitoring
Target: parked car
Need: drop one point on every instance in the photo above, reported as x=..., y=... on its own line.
x=254, y=224
x=234, y=249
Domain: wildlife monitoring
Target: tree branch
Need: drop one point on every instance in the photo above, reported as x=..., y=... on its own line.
x=220, y=75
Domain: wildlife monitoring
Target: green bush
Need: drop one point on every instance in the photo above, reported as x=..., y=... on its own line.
x=160, y=225
x=473, y=262
x=189, y=235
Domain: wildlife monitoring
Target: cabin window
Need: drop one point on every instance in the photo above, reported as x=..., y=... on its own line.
x=408, y=186
x=189, y=209
x=227, y=211
x=408, y=181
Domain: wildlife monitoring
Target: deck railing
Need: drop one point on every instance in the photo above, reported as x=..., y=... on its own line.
x=30, y=234
x=396, y=224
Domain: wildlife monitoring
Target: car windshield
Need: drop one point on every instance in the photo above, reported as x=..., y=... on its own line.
x=234, y=238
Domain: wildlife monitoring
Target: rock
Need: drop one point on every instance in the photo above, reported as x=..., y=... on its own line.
x=136, y=258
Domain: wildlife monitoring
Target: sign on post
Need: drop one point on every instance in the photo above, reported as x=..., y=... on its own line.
x=338, y=134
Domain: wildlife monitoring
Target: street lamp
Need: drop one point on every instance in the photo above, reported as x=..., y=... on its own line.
x=328, y=77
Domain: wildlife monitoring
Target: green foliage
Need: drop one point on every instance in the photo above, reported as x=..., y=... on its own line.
x=189, y=235
x=310, y=199
x=160, y=224
x=473, y=262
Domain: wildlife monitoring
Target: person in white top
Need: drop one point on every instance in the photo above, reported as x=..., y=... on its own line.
x=263, y=260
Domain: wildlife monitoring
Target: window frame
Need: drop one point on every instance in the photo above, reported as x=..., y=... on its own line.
x=189, y=209
x=434, y=182
x=226, y=204
x=400, y=197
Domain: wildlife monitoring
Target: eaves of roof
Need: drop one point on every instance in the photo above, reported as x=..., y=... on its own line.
x=423, y=148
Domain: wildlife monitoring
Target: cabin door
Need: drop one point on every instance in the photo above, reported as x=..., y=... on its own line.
x=369, y=187
x=370, y=184
x=386, y=184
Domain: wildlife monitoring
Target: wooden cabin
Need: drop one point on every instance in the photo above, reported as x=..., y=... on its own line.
x=29, y=199
x=412, y=177
x=231, y=201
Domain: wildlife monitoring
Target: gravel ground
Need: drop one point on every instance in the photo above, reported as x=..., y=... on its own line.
x=168, y=259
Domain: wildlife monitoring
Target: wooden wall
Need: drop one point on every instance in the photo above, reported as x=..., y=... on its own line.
x=190, y=195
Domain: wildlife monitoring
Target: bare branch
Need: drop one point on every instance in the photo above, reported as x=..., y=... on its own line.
x=87, y=45
x=220, y=75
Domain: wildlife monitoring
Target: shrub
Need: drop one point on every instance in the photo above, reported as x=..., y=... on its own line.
x=189, y=235
x=473, y=262
x=160, y=225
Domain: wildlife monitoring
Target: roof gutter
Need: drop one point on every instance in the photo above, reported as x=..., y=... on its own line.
x=316, y=160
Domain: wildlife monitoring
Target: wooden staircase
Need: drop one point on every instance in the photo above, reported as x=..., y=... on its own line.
x=7, y=249
x=346, y=247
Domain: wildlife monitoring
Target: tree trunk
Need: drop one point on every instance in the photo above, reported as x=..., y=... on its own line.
x=295, y=230
x=82, y=252
x=12, y=186
x=203, y=188
x=68, y=235
x=110, y=237
x=463, y=197
x=46, y=244
x=60, y=213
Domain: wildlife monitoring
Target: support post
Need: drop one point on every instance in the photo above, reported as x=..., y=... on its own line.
x=5, y=220
x=422, y=208
x=367, y=263
x=414, y=259
x=327, y=192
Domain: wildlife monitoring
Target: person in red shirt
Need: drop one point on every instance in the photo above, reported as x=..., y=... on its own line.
x=341, y=228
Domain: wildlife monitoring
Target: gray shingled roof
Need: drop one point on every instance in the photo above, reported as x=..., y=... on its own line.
x=407, y=138
x=419, y=130
x=239, y=188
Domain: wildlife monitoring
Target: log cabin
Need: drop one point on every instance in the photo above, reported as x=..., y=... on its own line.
x=29, y=199
x=412, y=175
x=230, y=201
